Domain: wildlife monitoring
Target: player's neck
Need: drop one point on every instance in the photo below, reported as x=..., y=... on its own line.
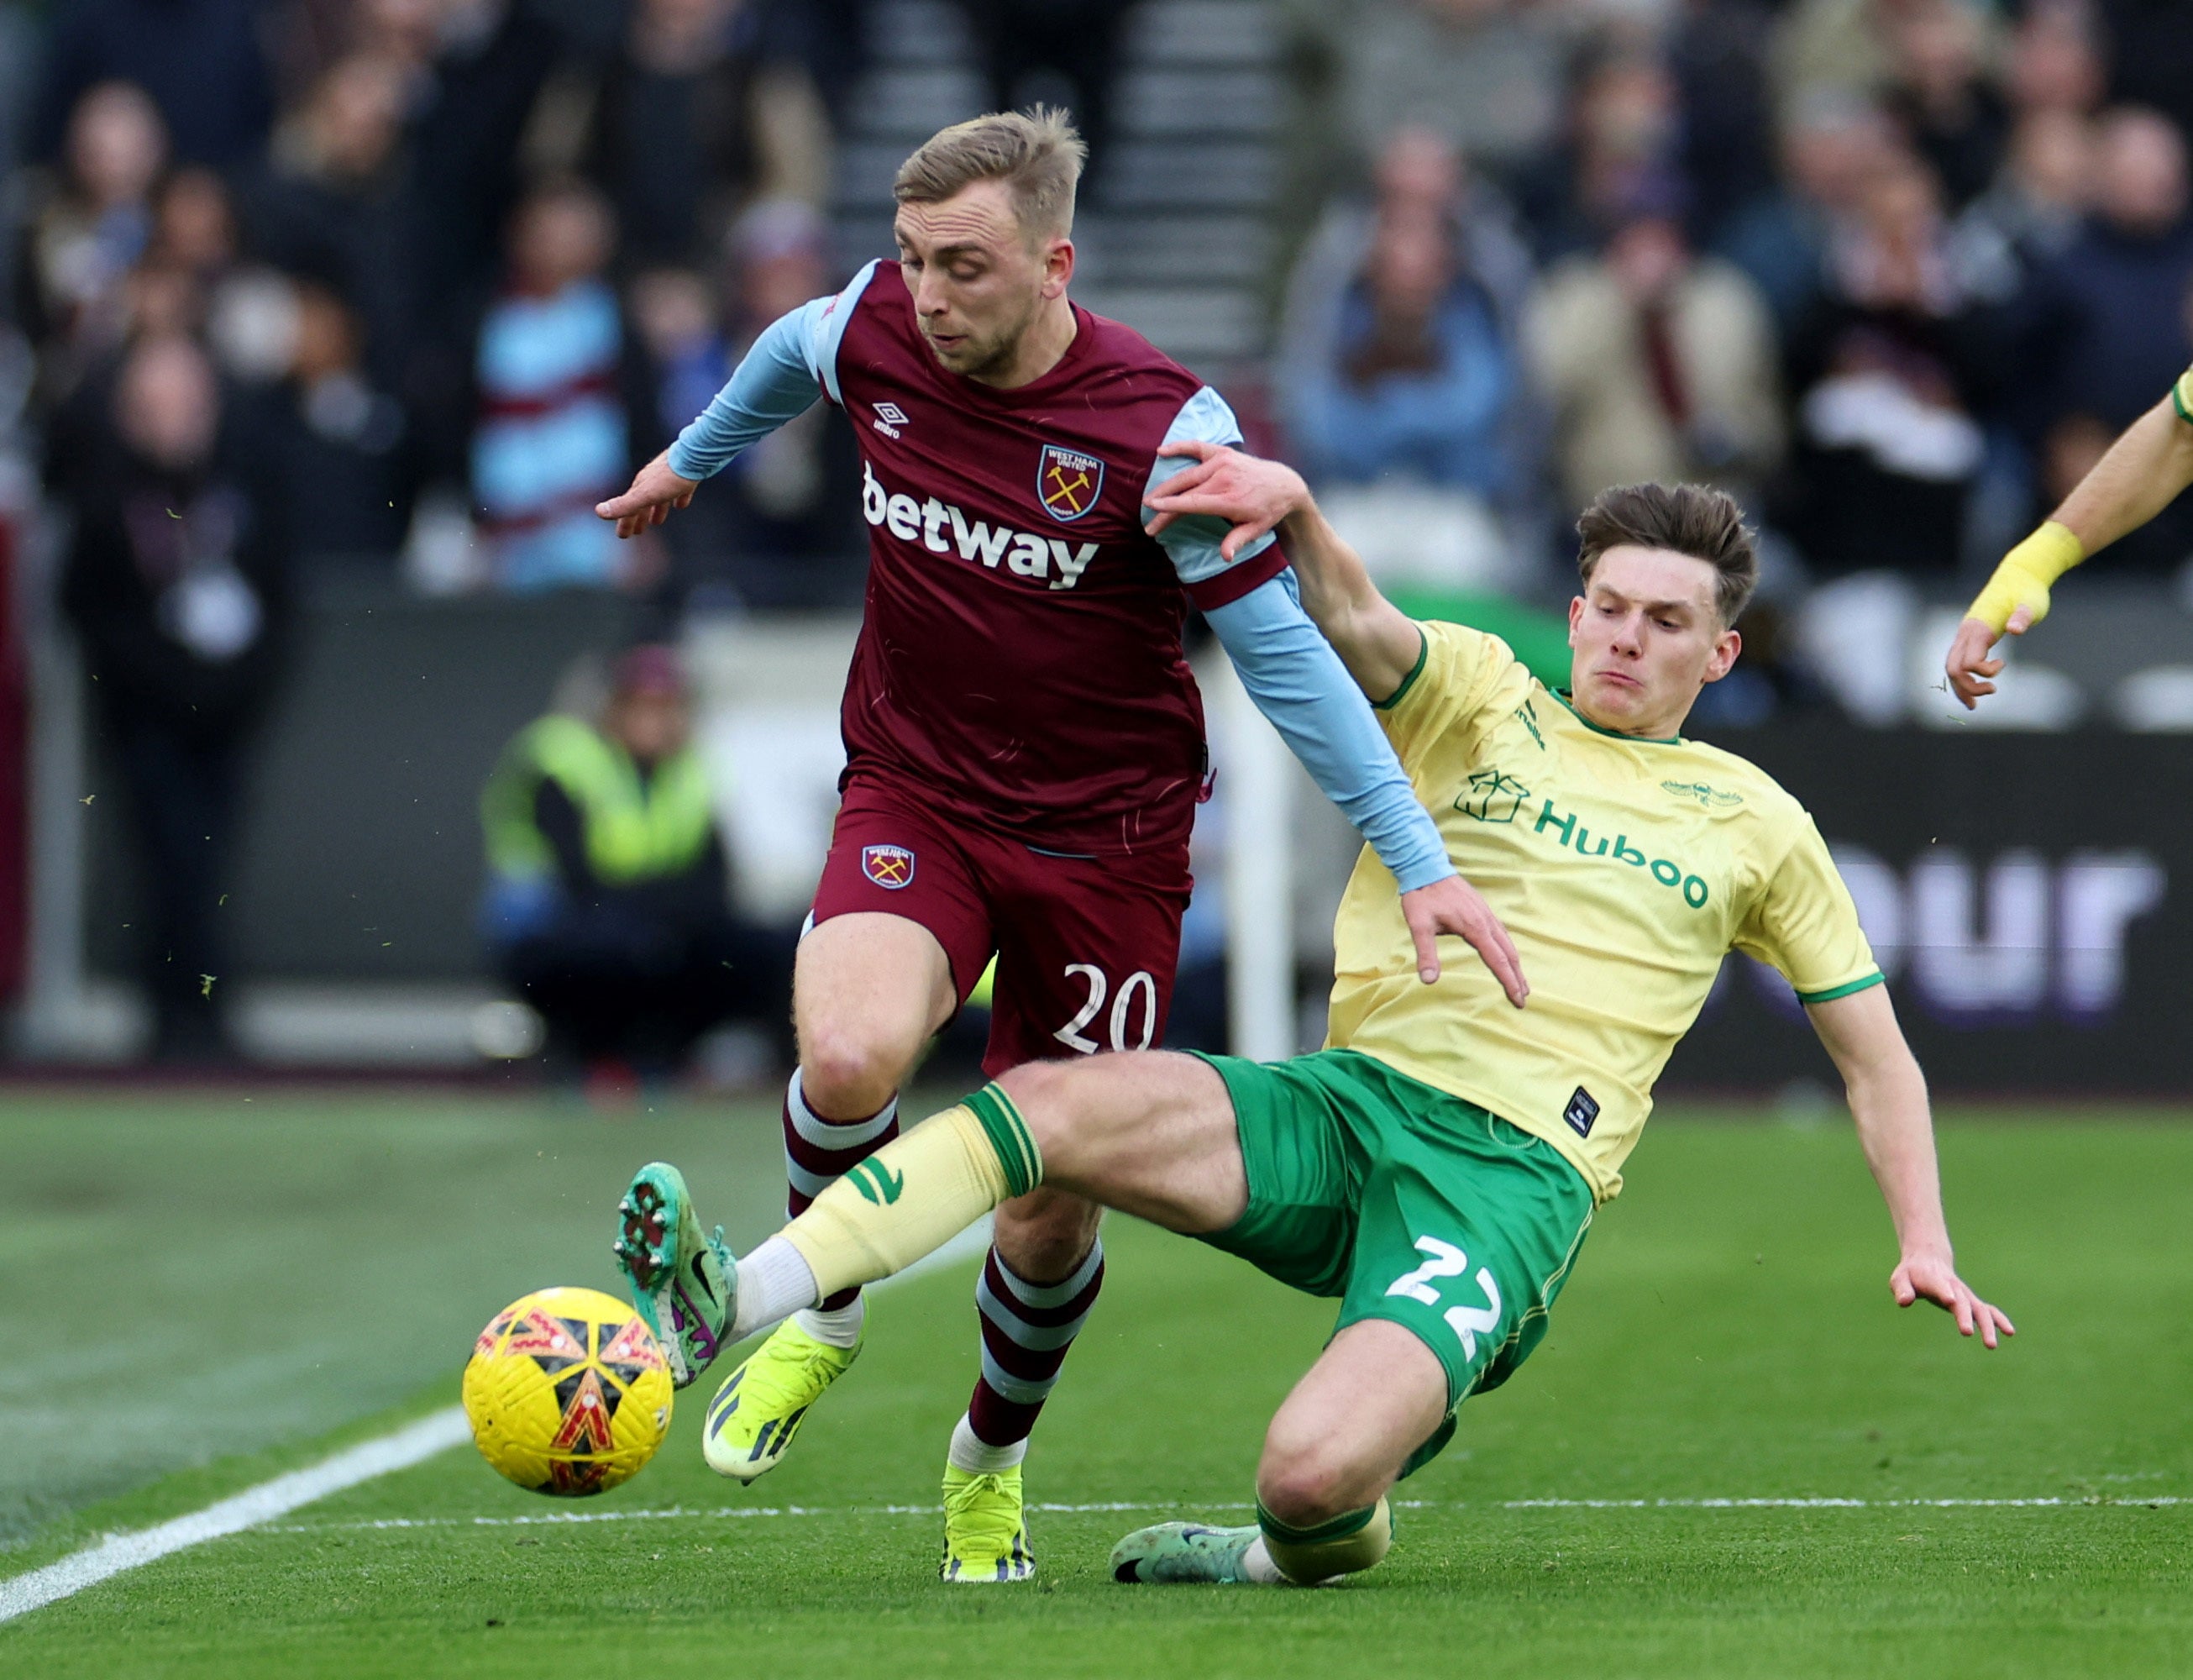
x=1040, y=349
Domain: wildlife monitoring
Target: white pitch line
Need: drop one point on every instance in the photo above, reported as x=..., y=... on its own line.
x=435, y=1433
x=747, y=1513
x=411, y=1445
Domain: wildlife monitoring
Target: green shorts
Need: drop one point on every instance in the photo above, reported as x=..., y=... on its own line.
x=1407, y=1204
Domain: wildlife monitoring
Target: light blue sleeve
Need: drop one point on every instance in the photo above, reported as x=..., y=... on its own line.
x=1193, y=543
x=775, y=381
x=1298, y=682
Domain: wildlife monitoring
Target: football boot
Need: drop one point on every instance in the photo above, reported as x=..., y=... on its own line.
x=985, y=1530
x=682, y=1279
x=1183, y=1551
x=761, y=1405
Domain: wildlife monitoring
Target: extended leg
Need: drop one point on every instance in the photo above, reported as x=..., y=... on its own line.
x=1149, y=1134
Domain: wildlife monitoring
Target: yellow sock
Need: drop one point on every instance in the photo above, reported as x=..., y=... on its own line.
x=2024, y=577
x=1346, y=1545
x=917, y=1192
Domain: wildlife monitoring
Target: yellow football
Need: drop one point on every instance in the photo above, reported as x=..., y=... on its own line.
x=568, y=1392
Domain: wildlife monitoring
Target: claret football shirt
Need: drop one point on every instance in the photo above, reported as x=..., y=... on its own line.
x=1624, y=870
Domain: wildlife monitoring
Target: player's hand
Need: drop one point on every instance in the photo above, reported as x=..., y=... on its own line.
x=1968, y=665
x=1933, y=1276
x=1250, y=493
x=1454, y=906
x=654, y=493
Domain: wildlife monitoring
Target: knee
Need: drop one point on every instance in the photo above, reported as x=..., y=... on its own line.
x=844, y=1072
x=1304, y=1483
x=1045, y=1093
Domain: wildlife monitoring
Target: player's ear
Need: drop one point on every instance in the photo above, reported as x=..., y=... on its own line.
x=1727, y=646
x=1575, y=616
x=1058, y=267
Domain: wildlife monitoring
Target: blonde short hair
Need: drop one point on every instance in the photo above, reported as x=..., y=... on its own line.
x=1036, y=154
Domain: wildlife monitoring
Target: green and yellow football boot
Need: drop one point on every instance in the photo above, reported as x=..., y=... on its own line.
x=761, y=1405
x=681, y=1279
x=985, y=1529
x=1171, y=1553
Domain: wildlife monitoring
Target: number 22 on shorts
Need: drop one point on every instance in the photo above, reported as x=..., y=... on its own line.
x=1138, y=983
x=1448, y=1261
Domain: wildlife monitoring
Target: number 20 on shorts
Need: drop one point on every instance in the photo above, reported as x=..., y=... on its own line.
x=1448, y=1261
x=1136, y=985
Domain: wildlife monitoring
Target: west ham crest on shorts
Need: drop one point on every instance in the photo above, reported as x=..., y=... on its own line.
x=889, y=867
x=1068, y=482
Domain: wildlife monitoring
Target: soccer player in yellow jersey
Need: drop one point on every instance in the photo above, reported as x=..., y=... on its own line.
x=1436, y=1165
x=2145, y=470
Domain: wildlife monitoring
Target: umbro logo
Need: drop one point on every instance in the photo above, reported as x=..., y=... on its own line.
x=890, y=416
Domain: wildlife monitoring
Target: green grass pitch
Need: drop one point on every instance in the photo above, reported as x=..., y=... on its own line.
x=198, y=1292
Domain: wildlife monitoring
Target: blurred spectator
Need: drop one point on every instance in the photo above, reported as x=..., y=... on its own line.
x=1483, y=74
x=1053, y=52
x=1890, y=369
x=1859, y=49
x=1657, y=364
x=690, y=118
x=1618, y=158
x=176, y=584
x=1940, y=93
x=1717, y=54
x=1400, y=358
x=248, y=311
x=2034, y=210
x=200, y=61
x=88, y=228
x=475, y=87
x=607, y=902
x=2107, y=328
x=553, y=435
x=2151, y=55
x=1830, y=148
x=2054, y=63
x=339, y=437
x=329, y=202
x=778, y=528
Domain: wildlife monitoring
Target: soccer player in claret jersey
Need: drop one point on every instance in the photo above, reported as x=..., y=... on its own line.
x=1437, y=1165
x=2144, y=471
x=1024, y=752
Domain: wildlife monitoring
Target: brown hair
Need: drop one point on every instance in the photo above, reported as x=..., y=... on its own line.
x=1692, y=520
x=1036, y=152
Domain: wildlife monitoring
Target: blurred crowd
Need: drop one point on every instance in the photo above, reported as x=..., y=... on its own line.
x=408, y=285
x=1894, y=272
x=444, y=270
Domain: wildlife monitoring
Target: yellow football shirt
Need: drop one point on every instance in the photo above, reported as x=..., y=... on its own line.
x=2181, y=395
x=1624, y=870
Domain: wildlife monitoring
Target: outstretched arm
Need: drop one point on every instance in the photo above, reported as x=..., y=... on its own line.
x=1888, y=1100
x=2145, y=470
x=1292, y=673
x=1378, y=642
x=777, y=380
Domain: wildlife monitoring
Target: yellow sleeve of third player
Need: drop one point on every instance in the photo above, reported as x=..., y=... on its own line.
x=1806, y=925
x=1458, y=671
x=2181, y=395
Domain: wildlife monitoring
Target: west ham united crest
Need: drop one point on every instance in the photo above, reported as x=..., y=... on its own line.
x=889, y=867
x=1068, y=482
